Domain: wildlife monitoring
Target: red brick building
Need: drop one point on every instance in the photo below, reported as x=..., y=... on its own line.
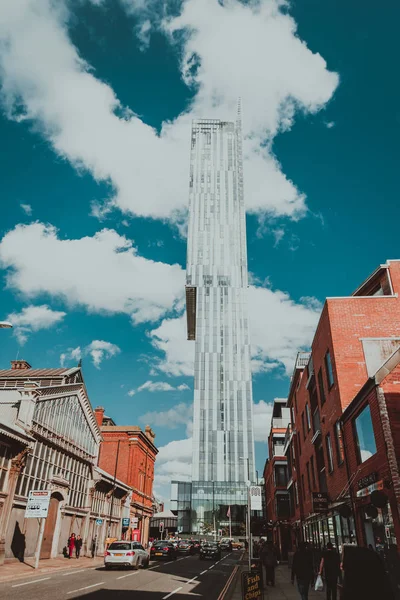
x=130, y=453
x=354, y=337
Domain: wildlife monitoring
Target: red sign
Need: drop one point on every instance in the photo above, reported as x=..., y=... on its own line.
x=135, y=535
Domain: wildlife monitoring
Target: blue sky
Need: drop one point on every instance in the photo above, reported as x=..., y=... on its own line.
x=96, y=103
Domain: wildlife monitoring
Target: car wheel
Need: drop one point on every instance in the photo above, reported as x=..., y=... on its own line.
x=146, y=564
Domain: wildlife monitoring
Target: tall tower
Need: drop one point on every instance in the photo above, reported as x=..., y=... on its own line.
x=216, y=299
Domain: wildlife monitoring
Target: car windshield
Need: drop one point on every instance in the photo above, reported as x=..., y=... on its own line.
x=119, y=546
x=162, y=544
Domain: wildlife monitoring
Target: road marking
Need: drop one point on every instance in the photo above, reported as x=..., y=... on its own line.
x=28, y=582
x=202, y=573
x=172, y=593
x=73, y=572
x=212, y=566
x=86, y=588
x=191, y=581
x=129, y=575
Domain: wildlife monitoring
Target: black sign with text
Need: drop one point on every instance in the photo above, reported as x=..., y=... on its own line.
x=252, y=585
x=367, y=480
x=320, y=501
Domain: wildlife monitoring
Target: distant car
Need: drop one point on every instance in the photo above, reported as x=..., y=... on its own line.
x=163, y=550
x=126, y=554
x=196, y=545
x=237, y=545
x=186, y=547
x=210, y=550
x=226, y=545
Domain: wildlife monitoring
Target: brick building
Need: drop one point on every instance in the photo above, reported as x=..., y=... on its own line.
x=130, y=453
x=354, y=337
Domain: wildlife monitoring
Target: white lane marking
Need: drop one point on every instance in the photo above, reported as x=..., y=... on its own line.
x=202, y=573
x=172, y=593
x=212, y=566
x=86, y=588
x=73, y=572
x=28, y=582
x=191, y=580
x=129, y=575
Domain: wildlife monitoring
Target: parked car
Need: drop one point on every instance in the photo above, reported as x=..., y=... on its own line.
x=210, y=550
x=126, y=554
x=186, y=547
x=163, y=550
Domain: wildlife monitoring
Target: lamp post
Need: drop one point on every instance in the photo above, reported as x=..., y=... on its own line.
x=248, y=518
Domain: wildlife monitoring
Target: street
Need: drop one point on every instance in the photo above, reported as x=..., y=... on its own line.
x=186, y=577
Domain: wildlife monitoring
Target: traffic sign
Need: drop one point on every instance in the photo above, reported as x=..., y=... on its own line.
x=161, y=526
x=38, y=504
x=99, y=522
x=125, y=521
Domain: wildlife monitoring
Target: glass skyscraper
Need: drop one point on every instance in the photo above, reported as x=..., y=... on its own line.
x=216, y=290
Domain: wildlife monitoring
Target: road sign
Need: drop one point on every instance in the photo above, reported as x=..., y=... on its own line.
x=161, y=526
x=38, y=504
x=99, y=522
x=134, y=522
x=255, y=497
x=320, y=501
x=125, y=521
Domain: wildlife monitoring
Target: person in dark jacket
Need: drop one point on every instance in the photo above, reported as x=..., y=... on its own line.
x=268, y=559
x=303, y=570
x=393, y=565
x=78, y=546
x=330, y=567
x=364, y=575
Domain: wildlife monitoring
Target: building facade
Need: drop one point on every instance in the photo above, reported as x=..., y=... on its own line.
x=216, y=289
x=49, y=440
x=130, y=454
x=355, y=337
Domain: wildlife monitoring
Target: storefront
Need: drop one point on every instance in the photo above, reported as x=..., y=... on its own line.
x=339, y=529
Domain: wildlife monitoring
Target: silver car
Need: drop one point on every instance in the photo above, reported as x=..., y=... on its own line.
x=126, y=554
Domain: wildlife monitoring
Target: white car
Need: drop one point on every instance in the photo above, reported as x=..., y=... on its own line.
x=126, y=554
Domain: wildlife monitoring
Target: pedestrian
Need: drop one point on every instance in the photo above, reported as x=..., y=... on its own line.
x=330, y=567
x=78, y=546
x=268, y=559
x=303, y=570
x=364, y=575
x=94, y=543
x=393, y=565
x=71, y=545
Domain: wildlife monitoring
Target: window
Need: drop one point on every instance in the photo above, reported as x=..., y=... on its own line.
x=280, y=474
x=303, y=426
x=339, y=443
x=365, y=435
x=312, y=471
x=329, y=452
x=321, y=387
x=329, y=369
x=308, y=417
x=308, y=477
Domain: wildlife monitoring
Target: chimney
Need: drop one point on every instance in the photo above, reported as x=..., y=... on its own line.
x=20, y=365
x=99, y=414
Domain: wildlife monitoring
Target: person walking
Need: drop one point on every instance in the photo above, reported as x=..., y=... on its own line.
x=78, y=546
x=303, y=570
x=268, y=559
x=71, y=545
x=94, y=543
x=330, y=567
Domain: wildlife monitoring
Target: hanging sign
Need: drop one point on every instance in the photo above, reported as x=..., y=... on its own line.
x=371, y=488
x=255, y=497
x=38, y=504
x=320, y=501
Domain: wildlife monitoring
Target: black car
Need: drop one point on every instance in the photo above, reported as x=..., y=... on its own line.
x=210, y=550
x=196, y=545
x=186, y=547
x=226, y=545
x=163, y=550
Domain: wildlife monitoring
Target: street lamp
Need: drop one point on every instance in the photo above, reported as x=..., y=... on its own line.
x=5, y=325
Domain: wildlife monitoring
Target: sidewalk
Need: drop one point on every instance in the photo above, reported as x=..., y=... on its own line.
x=17, y=570
x=283, y=590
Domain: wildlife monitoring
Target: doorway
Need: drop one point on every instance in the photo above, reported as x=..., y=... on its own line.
x=50, y=526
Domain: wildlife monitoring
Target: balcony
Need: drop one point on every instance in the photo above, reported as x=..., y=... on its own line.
x=279, y=423
x=278, y=450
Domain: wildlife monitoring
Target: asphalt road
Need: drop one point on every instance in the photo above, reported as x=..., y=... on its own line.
x=183, y=579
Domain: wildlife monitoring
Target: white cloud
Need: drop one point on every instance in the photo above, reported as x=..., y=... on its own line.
x=279, y=327
x=98, y=350
x=180, y=414
x=330, y=124
x=33, y=318
x=103, y=273
x=27, y=208
x=229, y=50
x=174, y=462
x=262, y=414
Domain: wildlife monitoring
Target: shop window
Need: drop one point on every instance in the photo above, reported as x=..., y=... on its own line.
x=339, y=443
x=365, y=435
x=329, y=452
x=329, y=369
x=321, y=387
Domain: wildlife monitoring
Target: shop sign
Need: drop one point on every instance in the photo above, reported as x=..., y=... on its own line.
x=371, y=488
x=255, y=497
x=367, y=480
x=38, y=504
x=135, y=535
x=320, y=501
x=251, y=585
x=134, y=522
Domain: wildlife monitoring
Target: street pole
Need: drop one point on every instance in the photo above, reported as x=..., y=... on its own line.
x=39, y=542
x=113, y=491
x=248, y=513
